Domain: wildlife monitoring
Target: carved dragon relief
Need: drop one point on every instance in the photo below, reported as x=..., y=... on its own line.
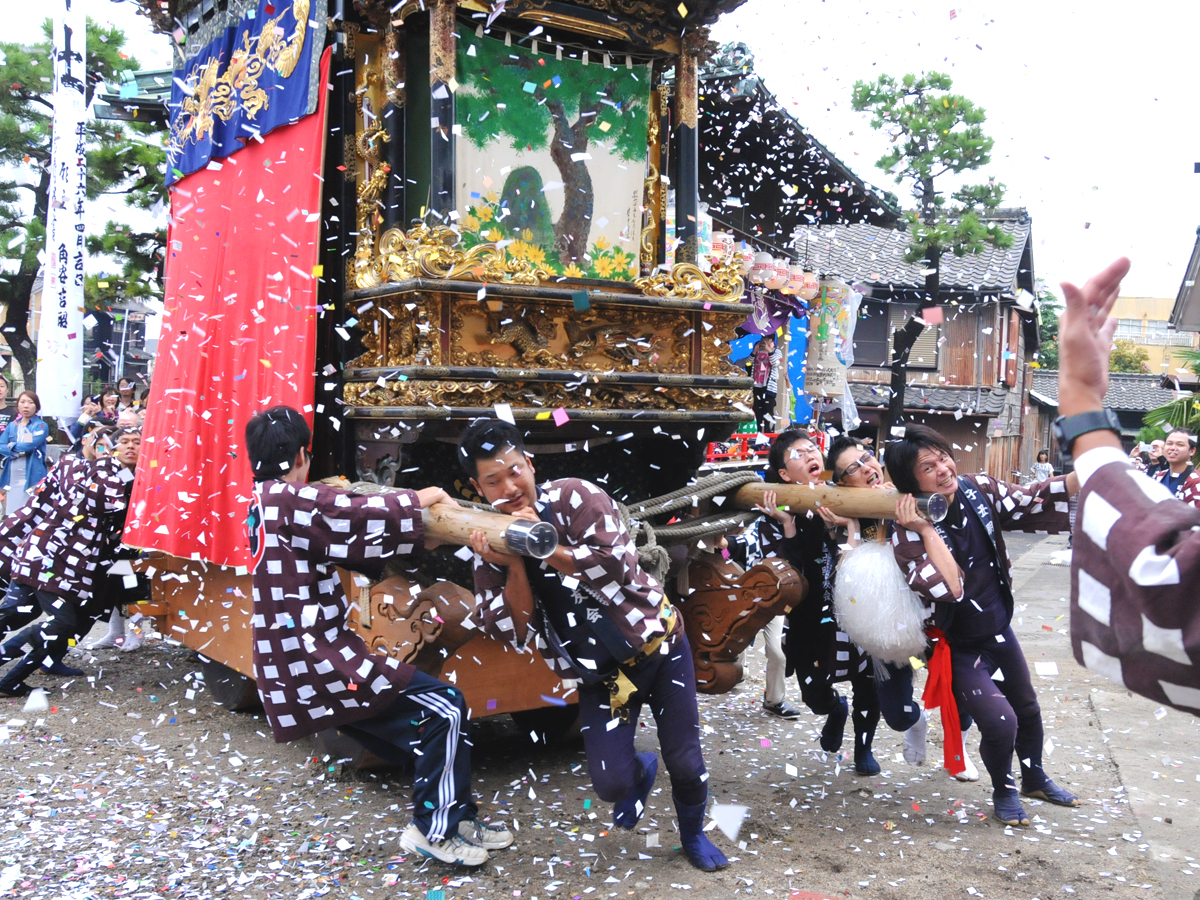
x=714, y=346
x=623, y=340
x=727, y=608
x=397, y=331
x=541, y=395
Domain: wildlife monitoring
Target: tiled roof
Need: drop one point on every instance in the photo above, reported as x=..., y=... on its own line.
x=1125, y=391
x=761, y=173
x=868, y=254
x=943, y=399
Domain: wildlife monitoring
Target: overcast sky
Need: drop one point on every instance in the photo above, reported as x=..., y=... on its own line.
x=1092, y=106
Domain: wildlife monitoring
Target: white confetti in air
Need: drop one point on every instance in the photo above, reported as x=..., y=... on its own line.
x=729, y=818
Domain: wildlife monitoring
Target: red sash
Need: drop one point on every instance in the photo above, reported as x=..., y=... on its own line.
x=939, y=692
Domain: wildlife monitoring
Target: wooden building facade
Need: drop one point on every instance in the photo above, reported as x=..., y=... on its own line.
x=969, y=375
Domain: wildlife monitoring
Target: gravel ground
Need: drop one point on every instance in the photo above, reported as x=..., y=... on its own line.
x=134, y=784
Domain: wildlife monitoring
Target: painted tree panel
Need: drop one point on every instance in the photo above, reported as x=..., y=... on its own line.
x=550, y=157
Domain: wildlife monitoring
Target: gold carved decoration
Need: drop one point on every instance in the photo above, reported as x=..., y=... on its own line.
x=216, y=94
x=368, y=146
x=397, y=332
x=426, y=252
x=620, y=339
x=714, y=346
x=441, y=42
x=689, y=282
x=542, y=395
x=686, y=83
x=654, y=191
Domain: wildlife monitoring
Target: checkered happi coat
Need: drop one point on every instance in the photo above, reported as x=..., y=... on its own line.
x=79, y=535
x=313, y=672
x=1189, y=488
x=53, y=491
x=1040, y=507
x=587, y=521
x=1135, y=602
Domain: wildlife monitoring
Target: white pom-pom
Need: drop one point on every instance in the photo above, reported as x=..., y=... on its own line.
x=876, y=608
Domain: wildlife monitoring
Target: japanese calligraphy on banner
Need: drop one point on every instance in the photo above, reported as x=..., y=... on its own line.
x=251, y=67
x=60, y=331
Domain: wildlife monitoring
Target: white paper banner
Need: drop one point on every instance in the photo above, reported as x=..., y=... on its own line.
x=60, y=331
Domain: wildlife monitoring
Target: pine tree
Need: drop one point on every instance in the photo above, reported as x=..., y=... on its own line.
x=123, y=158
x=935, y=133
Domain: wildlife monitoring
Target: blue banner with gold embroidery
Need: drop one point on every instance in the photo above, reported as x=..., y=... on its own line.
x=243, y=72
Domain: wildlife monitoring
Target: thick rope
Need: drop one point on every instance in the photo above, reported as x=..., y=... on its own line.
x=652, y=541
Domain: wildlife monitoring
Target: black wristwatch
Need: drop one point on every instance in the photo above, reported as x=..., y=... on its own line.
x=1068, y=429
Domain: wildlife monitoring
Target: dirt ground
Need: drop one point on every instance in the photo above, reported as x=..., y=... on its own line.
x=134, y=784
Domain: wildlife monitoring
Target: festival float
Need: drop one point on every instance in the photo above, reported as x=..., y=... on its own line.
x=400, y=216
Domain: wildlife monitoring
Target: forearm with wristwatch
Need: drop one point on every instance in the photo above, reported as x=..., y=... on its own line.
x=1085, y=425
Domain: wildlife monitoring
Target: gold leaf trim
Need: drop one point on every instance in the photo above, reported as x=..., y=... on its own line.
x=687, y=281
x=425, y=252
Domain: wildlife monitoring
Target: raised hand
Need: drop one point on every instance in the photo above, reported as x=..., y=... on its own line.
x=1085, y=338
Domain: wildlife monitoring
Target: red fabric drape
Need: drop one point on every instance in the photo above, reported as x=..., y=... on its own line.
x=238, y=336
x=939, y=692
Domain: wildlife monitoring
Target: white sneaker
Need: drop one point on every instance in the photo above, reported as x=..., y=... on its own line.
x=489, y=837
x=452, y=849
x=914, y=741
x=969, y=772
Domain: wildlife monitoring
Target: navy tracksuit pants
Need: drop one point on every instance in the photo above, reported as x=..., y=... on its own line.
x=428, y=721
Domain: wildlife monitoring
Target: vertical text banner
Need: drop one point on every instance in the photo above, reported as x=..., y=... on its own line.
x=60, y=331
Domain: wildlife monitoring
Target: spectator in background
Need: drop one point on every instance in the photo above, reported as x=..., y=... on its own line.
x=109, y=401
x=1179, y=477
x=127, y=392
x=1042, y=470
x=23, y=446
x=8, y=412
x=765, y=372
x=1158, y=458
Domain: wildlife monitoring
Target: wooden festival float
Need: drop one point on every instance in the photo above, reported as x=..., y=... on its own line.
x=506, y=221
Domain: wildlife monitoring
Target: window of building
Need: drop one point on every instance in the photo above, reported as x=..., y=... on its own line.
x=1154, y=326
x=1130, y=329
x=877, y=323
x=871, y=334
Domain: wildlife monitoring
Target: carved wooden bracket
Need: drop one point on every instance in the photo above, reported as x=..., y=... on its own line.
x=727, y=608
x=414, y=628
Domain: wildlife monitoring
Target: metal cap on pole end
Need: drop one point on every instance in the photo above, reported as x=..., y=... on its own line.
x=933, y=506
x=536, y=539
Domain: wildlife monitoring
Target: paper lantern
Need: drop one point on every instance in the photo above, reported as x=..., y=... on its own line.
x=795, y=279
x=744, y=258
x=722, y=246
x=779, y=275
x=811, y=286
x=763, y=268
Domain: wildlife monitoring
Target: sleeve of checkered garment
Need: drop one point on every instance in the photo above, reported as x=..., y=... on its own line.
x=1038, y=507
x=1135, y=617
x=346, y=528
x=492, y=613
x=922, y=575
